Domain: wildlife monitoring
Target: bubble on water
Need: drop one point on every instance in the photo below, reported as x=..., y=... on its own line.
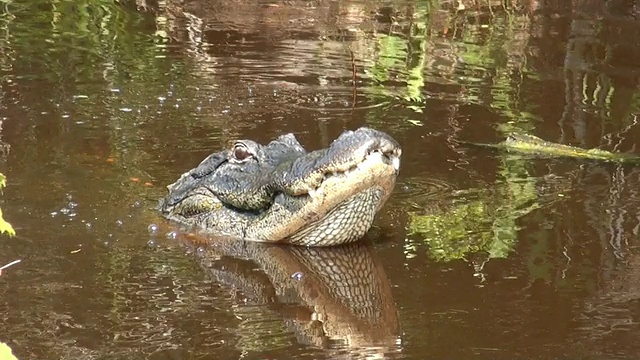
x=137, y=204
x=88, y=225
x=65, y=211
x=126, y=109
x=298, y=275
x=72, y=204
x=200, y=250
x=119, y=222
x=54, y=213
x=151, y=243
x=153, y=228
x=172, y=235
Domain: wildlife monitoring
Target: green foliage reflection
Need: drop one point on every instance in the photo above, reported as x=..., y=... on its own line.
x=5, y=227
x=483, y=220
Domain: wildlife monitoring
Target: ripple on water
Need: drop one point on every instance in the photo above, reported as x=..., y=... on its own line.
x=421, y=190
x=335, y=99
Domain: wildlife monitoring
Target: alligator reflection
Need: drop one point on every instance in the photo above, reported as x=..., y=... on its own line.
x=329, y=297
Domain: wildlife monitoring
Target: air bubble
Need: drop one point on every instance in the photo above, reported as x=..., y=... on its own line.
x=153, y=228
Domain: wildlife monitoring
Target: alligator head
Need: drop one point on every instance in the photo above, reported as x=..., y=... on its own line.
x=280, y=193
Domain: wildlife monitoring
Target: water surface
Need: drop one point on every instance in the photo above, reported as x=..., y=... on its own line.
x=478, y=254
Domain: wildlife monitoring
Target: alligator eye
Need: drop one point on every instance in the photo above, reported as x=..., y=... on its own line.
x=241, y=153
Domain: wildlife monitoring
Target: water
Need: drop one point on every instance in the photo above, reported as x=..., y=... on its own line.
x=478, y=254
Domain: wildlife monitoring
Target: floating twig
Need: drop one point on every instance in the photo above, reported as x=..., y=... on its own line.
x=354, y=79
x=10, y=264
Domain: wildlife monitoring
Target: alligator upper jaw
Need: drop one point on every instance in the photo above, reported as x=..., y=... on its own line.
x=349, y=151
x=305, y=175
x=373, y=158
x=376, y=165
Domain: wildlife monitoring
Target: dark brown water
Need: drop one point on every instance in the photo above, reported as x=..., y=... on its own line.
x=479, y=254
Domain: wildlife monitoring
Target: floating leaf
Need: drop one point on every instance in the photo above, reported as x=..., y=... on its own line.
x=415, y=122
x=6, y=353
x=5, y=227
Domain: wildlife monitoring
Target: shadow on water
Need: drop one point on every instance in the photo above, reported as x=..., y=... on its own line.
x=478, y=253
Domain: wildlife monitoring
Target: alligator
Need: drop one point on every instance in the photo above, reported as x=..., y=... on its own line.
x=281, y=193
x=533, y=145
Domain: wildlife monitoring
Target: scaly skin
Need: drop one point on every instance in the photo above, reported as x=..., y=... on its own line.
x=281, y=193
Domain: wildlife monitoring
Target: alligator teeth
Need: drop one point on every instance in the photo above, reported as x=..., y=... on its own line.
x=315, y=193
x=375, y=155
x=395, y=161
x=337, y=173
